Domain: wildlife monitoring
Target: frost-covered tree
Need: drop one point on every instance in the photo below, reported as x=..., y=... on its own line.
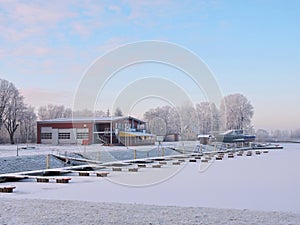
x=237, y=112
x=295, y=133
x=280, y=135
x=208, y=117
x=262, y=135
x=174, y=122
x=216, y=118
x=188, y=117
x=165, y=117
x=54, y=111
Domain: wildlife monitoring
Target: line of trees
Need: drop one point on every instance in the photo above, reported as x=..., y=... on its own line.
x=235, y=112
x=277, y=135
x=50, y=111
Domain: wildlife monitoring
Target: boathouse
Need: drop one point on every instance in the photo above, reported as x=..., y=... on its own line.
x=128, y=131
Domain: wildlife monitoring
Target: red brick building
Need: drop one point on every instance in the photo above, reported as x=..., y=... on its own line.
x=106, y=130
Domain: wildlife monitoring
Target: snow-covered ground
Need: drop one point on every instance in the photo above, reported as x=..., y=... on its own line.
x=43, y=149
x=268, y=182
x=46, y=212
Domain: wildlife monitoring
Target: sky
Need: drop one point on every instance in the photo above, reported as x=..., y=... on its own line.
x=251, y=47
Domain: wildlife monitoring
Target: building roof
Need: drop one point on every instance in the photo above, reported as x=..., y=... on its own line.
x=89, y=119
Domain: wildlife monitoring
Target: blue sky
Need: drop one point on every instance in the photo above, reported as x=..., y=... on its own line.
x=252, y=47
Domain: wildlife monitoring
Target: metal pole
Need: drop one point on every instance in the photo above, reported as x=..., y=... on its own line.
x=111, y=131
x=48, y=162
x=17, y=146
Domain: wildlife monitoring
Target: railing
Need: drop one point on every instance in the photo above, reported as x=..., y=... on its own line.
x=102, y=139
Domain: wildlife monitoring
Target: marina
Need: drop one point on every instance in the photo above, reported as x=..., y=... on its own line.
x=136, y=181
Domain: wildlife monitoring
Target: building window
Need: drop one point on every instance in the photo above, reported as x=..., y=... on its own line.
x=46, y=135
x=82, y=135
x=64, y=136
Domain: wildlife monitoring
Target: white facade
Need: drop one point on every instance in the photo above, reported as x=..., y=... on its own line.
x=63, y=136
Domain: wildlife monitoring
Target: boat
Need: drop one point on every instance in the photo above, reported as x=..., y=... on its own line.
x=234, y=136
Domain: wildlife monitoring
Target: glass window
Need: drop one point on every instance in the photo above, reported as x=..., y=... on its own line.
x=64, y=136
x=46, y=135
x=82, y=135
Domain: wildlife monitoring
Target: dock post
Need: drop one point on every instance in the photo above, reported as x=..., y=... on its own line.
x=48, y=161
x=134, y=154
x=163, y=152
x=98, y=155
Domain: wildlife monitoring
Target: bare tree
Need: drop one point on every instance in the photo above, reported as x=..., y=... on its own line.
x=84, y=113
x=67, y=113
x=12, y=113
x=209, y=117
x=205, y=117
x=108, y=113
x=295, y=133
x=189, y=123
x=16, y=117
x=6, y=91
x=118, y=112
x=280, y=135
x=216, y=118
x=174, y=126
x=164, y=117
x=237, y=111
x=28, y=124
x=262, y=135
x=54, y=111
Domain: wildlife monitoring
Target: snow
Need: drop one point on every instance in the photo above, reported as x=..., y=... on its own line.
x=44, y=149
x=74, y=212
x=266, y=183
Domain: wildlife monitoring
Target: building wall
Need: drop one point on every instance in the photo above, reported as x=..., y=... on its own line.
x=66, y=132
x=61, y=130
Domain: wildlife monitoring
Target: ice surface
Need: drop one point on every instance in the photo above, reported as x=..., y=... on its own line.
x=171, y=195
x=268, y=182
